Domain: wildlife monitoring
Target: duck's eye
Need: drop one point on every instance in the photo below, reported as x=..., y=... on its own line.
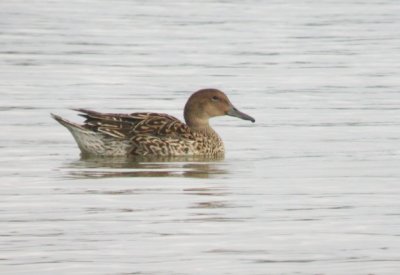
x=215, y=98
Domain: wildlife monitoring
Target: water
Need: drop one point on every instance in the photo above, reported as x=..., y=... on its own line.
x=311, y=188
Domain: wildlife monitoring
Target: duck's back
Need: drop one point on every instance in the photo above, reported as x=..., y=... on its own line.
x=138, y=134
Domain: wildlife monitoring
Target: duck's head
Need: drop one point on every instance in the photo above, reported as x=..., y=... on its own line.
x=207, y=103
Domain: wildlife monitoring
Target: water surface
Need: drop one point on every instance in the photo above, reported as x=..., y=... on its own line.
x=311, y=188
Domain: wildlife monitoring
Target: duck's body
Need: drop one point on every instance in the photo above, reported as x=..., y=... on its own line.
x=140, y=134
x=154, y=134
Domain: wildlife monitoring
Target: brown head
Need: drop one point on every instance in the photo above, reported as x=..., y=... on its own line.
x=208, y=103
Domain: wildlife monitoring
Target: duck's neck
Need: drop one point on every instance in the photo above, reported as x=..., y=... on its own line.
x=196, y=121
x=198, y=124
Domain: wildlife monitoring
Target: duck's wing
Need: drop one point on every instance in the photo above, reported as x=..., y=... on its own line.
x=126, y=126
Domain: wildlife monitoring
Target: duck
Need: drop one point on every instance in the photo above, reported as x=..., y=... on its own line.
x=155, y=134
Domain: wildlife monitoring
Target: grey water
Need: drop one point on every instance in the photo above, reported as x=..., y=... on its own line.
x=313, y=187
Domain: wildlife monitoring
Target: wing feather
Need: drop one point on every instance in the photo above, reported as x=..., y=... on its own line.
x=126, y=126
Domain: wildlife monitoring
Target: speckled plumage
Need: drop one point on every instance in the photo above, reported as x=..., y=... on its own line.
x=154, y=134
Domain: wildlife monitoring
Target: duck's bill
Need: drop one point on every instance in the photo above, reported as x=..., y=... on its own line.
x=236, y=113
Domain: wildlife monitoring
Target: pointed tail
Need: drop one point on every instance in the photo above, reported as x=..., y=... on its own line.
x=68, y=124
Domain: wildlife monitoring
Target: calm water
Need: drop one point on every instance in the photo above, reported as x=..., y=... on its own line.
x=311, y=188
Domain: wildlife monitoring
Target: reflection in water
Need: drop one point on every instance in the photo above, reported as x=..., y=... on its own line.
x=193, y=167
